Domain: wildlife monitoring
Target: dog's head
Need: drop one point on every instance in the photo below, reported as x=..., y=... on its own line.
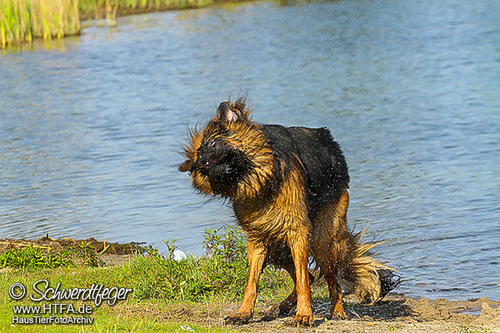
x=226, y=152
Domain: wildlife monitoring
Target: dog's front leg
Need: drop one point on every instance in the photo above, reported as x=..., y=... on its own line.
x=256, y=257
x=299, y=246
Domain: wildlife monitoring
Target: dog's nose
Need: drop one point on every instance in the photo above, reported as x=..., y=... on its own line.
x=203, y=164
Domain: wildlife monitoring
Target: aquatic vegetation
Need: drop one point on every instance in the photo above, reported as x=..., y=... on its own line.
x=110, y=9
x=23, y=20
x=15, y=23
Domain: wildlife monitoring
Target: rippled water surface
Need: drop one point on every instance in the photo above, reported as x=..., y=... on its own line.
x=91, y=127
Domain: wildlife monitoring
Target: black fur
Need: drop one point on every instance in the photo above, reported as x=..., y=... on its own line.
x=224, y=165
x=321, y=157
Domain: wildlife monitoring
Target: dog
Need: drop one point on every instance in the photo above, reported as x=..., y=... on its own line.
x=289, y=190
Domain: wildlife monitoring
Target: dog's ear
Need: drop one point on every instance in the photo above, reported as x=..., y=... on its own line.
x=227, y=114
x=186, y=166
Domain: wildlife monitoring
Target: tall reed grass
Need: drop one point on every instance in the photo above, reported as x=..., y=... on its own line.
x=55, y=18
x=23, y=20
x=15, y=23
x=100, y=9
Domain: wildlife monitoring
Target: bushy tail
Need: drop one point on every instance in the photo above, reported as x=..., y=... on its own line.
x=361, y=274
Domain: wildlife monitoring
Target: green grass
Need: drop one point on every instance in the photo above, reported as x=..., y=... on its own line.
x=394, y=328
x=108, y=319
x=167, y=294
x=466, y=329
x=33, y=257
x=221, y=271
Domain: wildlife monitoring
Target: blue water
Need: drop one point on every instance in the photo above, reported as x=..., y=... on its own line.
x=92, y=127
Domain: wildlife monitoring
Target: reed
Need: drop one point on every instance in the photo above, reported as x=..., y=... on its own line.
x=23, y=20
x=15, y=24
x=55, y=18
x=110, y=9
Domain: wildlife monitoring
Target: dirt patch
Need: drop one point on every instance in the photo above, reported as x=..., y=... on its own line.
x=111, y=253
x=395, y=313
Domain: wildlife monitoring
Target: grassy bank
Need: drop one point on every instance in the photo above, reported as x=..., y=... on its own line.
x=162, y=294
x=135, y=314
x=23, y=20
x=167, y=295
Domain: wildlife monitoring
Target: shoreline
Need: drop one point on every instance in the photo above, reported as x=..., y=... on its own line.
x=28, y=22
x=399, y=313
x=123, y=12
x=395, y=313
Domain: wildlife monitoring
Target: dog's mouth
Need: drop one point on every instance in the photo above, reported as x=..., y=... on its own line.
x=205, y=163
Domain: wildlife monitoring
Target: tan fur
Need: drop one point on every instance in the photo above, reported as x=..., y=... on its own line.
x=246, y=136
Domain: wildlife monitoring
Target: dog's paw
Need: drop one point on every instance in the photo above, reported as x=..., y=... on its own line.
x=271, y=313
x=339, y=314
x=303, y=320
x=238, y=318
x=277, y=310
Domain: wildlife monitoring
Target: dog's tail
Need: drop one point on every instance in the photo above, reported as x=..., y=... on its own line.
x=361, y=274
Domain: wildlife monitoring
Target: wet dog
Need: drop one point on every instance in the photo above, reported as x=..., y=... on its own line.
x=289, y=190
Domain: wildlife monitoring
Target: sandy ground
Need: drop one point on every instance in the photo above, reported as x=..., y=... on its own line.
x=395, y=313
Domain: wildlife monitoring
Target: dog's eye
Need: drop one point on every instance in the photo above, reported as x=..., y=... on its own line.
x=211, y=145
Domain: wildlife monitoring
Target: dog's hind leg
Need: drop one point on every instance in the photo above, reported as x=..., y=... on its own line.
x=328, y=246
x=299, y=245
x=281, y=256
x=337, y=310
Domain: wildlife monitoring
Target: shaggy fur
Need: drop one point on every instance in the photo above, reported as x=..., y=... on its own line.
x=288, y=187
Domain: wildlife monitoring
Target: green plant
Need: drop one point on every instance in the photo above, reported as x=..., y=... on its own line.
x=33, y=257
x=229, y=244
x=89, y=255
x=394, y=328
x=222, y=271
x=466, y=329
x=23, y=20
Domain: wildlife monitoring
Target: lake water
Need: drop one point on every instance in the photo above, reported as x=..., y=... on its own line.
x=92, y=127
